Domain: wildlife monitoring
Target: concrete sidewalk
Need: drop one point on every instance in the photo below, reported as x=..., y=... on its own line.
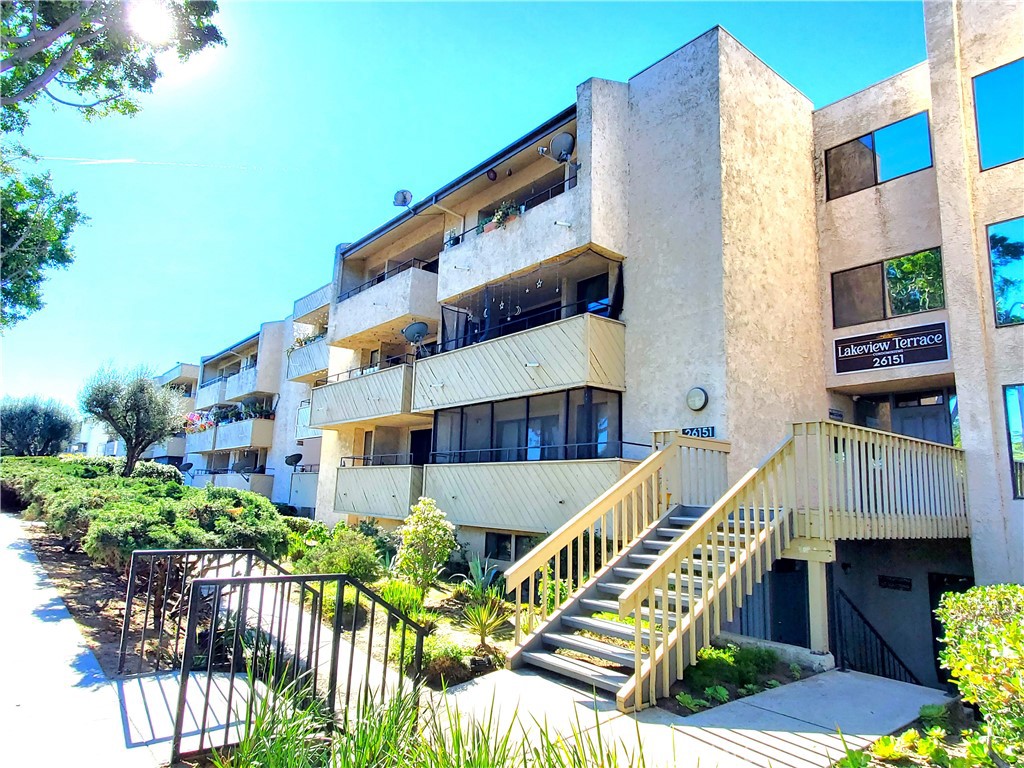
x=56, y=705
x=795, y=726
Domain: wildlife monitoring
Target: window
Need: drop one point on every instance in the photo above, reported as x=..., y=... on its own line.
x=888, y=153
x=576, y=424
x=498, y=546
x=900, y=286
x=1006, y=254
x=999, y=112
x=592, y=295
x=1015, y=434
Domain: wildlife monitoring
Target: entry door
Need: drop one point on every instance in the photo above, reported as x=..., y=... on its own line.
x=938, y=585
x=925, y=422
x=419, y=446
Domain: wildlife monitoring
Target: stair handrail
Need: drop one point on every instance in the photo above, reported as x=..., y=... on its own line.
x=770, y=528
x=615, y=520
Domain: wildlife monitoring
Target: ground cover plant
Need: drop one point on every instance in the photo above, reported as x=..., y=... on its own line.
x=91, y=506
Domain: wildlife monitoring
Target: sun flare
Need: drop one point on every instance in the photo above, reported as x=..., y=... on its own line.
x=151, y=20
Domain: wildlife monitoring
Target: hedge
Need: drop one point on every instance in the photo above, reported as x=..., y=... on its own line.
x=87, y=503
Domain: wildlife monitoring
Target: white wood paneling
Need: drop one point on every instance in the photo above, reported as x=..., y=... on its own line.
x=308, y=360
x=302, y=490
x=366, y=397
x=534, y=496
x=378, y=491
x=254, y=433
x=585, y=350
x=302, y=429
x=312, y=302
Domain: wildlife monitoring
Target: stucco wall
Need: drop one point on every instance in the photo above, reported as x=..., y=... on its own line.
x=603, y=114
x=673, y=310
x=770, y=265
x=291, y=393
x=964, y=40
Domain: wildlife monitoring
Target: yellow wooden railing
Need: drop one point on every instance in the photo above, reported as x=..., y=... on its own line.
x=825, y=480
x=567, y=561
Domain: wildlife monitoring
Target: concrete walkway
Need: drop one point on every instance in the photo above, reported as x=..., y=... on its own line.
x=794, y=726
x=56, y=705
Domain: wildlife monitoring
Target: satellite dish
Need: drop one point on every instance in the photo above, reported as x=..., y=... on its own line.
x=185, y=467
x=292, y=459
x=561, y=147
x=414, y=332
x=402, y=198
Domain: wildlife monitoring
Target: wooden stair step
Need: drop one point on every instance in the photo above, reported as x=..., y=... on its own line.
x=670, y=532
x=589, y=674
x=612, y=606
x=590, y=647
x=604, y=627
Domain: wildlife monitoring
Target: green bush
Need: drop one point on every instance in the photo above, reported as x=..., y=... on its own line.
x=984, y=638
x=347, y=551
x=112, y=465
x=402, y=595
x=732, y=664
x=428, y=540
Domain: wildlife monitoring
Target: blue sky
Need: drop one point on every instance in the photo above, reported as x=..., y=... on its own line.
x=253, y=161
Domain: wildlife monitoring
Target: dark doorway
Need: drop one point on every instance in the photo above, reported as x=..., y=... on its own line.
x=419, y=446
x=924, y=415
x=790, y=620
x=938, y=585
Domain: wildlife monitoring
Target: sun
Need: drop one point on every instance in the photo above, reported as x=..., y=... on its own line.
x=151, y=20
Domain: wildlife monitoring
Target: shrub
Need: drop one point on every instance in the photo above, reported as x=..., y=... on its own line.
x=428, y=540
x=692, y=704
x=717, y=693
x=347, y=551
x=385, y=541
x=114, y=465
x=984, y=639
x=406, y=597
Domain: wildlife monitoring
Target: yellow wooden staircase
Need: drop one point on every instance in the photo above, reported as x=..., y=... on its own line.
x=704, y=546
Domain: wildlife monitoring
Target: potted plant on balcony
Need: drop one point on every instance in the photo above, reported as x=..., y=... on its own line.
x=507, y=211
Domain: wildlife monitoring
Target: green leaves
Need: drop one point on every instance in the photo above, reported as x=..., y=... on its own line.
x=428, y=540
x=30, y=426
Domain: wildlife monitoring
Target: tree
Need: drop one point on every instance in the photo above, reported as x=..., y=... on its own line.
x=33, y=427
x=36, y=223
x=93, y=55
x=428, y=540
x=135, y=407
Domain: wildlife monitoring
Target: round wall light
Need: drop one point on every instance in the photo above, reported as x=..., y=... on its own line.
x=696, y=399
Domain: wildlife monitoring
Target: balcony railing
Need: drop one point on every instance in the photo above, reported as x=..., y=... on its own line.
x=372, y=395
x=308, y=359
x=311, y=302
x=585, y=350
x=302, y=429
x=380, y=460
x=426, y=266
x=243, y=383
x=252, y=433
x=363, y=370
x=211, y=392
x=597, y=449
x=409, y=295
x=384, y=491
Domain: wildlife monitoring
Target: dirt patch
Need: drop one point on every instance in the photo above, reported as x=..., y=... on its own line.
x=93, y=594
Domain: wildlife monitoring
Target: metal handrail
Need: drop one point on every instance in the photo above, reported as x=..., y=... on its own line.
x=212, y=381
x=306, y=468
x=873, y=656
x=524, y=205
x=496, y=331
x=570, y=452
x=392, y=361
x=388, y=274
x=378, y=460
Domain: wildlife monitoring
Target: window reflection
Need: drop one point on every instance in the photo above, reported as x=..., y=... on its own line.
x=999, y=111
x=1006, y=254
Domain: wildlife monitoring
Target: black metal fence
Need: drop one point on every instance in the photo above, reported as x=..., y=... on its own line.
x=236, y=626
x=860, y=647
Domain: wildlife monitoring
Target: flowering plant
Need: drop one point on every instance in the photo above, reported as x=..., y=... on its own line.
x=309, y=338
x=504, y=213
x=196, y=422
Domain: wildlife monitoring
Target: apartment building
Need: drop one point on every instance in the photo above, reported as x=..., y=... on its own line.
x=700, y=250
x=183, y=378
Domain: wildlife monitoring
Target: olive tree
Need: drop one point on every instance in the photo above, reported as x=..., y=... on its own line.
x=33, y=427
x=133, y=405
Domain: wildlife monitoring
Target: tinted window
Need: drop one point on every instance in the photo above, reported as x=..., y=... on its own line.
x=903, y=147
x=1006, y=253
x=913, y=283
x=498, y=546
x=888, y=153
x=1015, y=430
x=857, y=296
x=999, y=111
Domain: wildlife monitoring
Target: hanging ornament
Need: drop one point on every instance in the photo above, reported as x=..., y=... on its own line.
x=502, y=305
x=519, y=311
x=540, y=283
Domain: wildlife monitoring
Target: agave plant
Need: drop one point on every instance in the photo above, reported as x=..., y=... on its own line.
x=480, y=582
x=484, y=619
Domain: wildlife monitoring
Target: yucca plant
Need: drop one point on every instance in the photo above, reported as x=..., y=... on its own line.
x=485, y=619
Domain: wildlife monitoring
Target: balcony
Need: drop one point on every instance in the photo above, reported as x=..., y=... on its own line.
x=200, y=442
x=307, y=361
x=172, y=446
x=257, y=483
x=482, y=256
x=302, y=429
x=302, y=492
x=211, y=393
x=366, y=394
x=379, y=491
x=242, y=384
x=535, y=496
x=308, y=306
x=585, y=350
x=382, y=307
x=252, y=433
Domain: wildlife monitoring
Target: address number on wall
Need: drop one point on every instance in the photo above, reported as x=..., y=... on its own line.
x=698, y=431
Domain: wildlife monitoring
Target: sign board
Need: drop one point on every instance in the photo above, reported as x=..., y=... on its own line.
x=899, y=583
x=891, y=349
x=698, y=431
x=835, y=414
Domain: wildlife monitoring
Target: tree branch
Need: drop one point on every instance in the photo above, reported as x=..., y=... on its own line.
x=38, y=83
x=44, y=40
x=96, y=103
